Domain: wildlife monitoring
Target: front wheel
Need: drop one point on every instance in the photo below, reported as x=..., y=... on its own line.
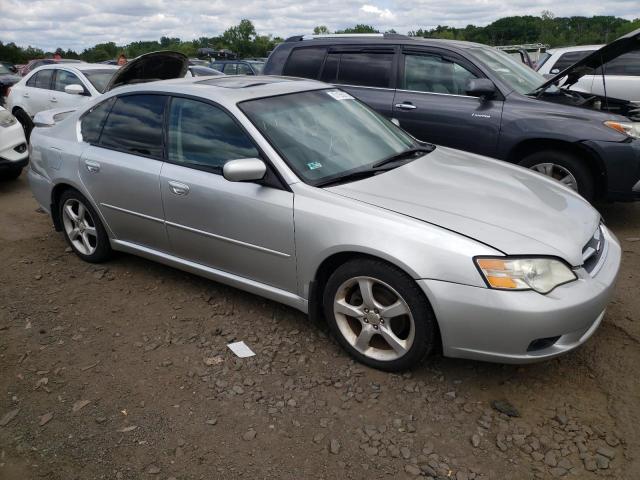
x=565, y=168
x=379, y=315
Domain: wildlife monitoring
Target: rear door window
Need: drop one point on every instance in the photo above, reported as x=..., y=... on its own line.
x=135, y=125
x=41, y=79
x=370, y=69
x=305, y=62
x=244, y=69
x=626, y=65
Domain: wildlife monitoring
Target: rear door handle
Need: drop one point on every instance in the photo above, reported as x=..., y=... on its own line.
x=54, y=99
x=93, y=167
x=178, y=188
x=25, y=95
x=405, y=106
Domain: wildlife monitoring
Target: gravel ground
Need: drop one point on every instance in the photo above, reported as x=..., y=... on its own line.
x=121, y=371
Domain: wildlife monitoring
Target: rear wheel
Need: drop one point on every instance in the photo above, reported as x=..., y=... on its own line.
x=26, y=122
x=565, y=168
x=82, y=228
x=379, y=315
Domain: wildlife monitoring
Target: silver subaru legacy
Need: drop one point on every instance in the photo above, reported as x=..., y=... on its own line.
x=294, y=190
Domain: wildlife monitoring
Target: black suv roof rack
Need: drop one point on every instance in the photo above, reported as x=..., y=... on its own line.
x=298, y=38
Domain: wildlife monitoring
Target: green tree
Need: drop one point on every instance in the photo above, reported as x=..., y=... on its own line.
x=360, y=28
x=321, y=30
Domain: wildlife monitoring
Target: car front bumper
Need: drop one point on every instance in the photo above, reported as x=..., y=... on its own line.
x=13, y=147
x=494, y=325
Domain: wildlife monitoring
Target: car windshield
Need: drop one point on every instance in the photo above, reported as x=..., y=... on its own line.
x=99, y=78
x=515, y=74
x=258, y=67
x=326, y=134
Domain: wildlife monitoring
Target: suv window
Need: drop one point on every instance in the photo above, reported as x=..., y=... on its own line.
x=365, y=68
x=244, y=69
x=435, y=74
x=626, y=65
x=41, y=79
x=568, y=59
x=93, y=121
x=205, y=143
x=64, y=78
x=305, y=62
x=231, y=68
x=134, y=125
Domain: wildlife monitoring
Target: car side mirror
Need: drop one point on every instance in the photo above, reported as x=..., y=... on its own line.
x=74, y=89
x=244, y=170
x=481, y=87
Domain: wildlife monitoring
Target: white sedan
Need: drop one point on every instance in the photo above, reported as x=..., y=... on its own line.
x=56, y=86
x=13, y=147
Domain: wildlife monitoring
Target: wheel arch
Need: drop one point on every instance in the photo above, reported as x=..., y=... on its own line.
x=57, y=192
x=331, y=263
x=593, y=161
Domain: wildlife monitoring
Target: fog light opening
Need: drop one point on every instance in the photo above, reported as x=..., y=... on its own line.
x=542, y=343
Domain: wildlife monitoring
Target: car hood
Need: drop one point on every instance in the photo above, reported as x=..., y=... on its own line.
x=586, y=66
x=509, y=208
x=163, y=65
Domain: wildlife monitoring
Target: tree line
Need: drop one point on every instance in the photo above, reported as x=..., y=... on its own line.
x=244, y=40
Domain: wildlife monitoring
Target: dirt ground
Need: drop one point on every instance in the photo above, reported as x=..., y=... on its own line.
x=121, y=371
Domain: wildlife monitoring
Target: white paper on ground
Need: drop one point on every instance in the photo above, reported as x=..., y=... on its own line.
x=241, y=349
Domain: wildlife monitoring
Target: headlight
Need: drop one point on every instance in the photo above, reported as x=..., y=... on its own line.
x=630, y=129
x=510, y=273
x=6, y=119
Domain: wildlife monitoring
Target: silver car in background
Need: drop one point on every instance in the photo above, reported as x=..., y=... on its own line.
x=294, y=190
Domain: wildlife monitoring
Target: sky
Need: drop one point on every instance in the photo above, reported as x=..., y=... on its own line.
x=77, y=25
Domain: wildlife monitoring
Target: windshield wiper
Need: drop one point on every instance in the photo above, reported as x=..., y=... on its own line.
x=412, y=152
x=352, y=176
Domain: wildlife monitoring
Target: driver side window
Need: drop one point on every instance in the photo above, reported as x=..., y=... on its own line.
x=201, y=135
x=435, y=74
x=63, y=79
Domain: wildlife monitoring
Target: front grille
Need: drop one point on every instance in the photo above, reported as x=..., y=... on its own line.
x=592, y=251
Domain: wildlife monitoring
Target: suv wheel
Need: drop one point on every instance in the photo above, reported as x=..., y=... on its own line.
x=82, y=228
x=379, y=315
x=565, y=168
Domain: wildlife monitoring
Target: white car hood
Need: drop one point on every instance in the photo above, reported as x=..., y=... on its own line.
x=512, y=209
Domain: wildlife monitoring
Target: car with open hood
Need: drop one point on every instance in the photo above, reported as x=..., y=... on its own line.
x=8, y=78
x=476, y=98
x=295, y=190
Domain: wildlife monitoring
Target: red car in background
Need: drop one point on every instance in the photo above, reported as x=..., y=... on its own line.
x=33, y=64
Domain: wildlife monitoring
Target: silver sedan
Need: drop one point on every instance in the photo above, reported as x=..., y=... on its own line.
x=296, y=191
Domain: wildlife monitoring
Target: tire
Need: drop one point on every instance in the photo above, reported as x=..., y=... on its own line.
x=558, y=164
x=25, y=121
x=90, y=240
x=367, y=333
x=11, y=174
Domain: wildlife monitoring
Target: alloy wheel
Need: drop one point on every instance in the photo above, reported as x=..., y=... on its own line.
x=557, y=172
x=374, y=318
x=79, y=226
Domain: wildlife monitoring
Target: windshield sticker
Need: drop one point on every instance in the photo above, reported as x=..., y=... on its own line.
x=338, y=95
x=314, y=165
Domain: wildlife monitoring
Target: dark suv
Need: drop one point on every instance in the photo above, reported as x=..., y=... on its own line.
x=476, y=98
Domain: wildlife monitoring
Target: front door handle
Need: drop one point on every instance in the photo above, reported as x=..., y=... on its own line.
x=178, y=188
x=93, y=167
x=25, y=95
x=405, y=106
x=54, y=100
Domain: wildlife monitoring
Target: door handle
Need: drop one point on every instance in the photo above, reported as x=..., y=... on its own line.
x=53, y=100
x=25, y=95
x=93, y=167
x=178, y=188
x=405, y=106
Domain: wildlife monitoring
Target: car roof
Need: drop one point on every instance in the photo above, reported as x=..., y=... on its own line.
x=227, y=90
x=386, y=39
x=577, y=48
x=81, y=67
